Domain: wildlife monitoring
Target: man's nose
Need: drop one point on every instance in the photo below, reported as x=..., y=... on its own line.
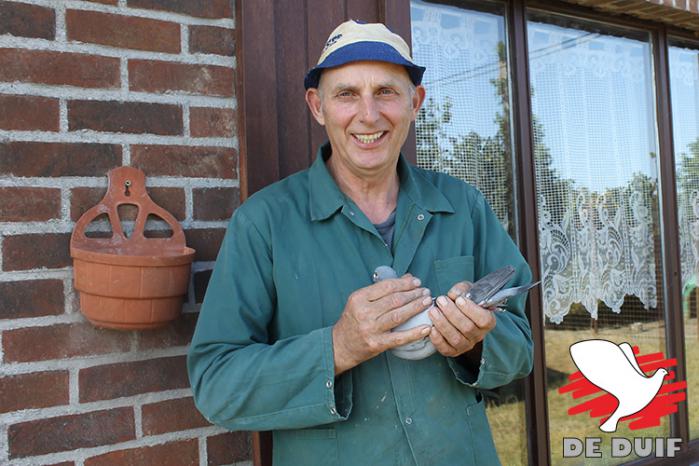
x=369, y=111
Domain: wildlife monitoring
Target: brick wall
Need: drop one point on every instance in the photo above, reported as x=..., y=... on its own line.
x=86, y=86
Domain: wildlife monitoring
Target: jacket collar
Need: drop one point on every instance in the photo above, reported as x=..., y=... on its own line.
x=325, y=198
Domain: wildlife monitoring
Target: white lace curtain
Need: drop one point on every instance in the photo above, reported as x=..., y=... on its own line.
x=684, y=82
x=596, y=169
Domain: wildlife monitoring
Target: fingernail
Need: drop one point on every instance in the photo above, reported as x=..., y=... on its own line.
x=426, y=292
x=425, y=331
x=426, y=301
x=460, y=301
x=416, y=281
x=433, y=313
x=442, y=300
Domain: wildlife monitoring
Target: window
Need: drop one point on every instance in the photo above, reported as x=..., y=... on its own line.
x=684, y=91
x=595, y=154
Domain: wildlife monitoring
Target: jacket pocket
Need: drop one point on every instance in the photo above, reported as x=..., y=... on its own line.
x=451, y=271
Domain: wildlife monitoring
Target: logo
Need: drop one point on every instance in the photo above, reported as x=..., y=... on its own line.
x=620, y=386
x=331, y=41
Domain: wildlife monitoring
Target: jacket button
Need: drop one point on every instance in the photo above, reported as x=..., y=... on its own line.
x=329, y=384
x=333, y=411
x=420, y=217
x=408, y=420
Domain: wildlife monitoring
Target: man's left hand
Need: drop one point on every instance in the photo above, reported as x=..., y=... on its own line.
x=459, y=323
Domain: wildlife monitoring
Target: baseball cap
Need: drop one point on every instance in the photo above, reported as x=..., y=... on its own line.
x=357, y=41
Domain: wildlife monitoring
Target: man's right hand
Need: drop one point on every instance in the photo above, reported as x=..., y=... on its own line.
x=364, y=328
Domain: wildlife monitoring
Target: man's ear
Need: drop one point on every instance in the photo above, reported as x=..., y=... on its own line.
x=418, y=99
x=314, y=105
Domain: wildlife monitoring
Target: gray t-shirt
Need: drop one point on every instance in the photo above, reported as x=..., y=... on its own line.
x=386, y=228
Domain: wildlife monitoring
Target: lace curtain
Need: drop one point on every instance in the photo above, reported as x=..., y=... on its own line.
x=684, y=89
x=594, y=144
x=463, y=128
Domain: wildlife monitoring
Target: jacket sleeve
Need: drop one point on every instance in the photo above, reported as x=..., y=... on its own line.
x=507, y=352
x=240, y=379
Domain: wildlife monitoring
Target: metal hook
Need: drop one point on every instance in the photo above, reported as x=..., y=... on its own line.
x=127, y=184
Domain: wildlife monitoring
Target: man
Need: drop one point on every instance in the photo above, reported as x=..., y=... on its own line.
x=293, y=337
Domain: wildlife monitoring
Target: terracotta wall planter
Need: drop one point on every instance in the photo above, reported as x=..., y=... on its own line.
x=130, y=282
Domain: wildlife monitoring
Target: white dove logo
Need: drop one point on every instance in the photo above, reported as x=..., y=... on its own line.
x=614, y=369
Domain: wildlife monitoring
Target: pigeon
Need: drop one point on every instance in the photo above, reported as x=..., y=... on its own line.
x=614, y=369
x=419, y=349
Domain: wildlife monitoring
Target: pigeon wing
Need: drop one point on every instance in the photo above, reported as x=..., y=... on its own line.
x=628, y=352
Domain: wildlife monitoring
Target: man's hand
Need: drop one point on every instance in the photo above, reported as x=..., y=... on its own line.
x=459, y=323
x=364, y=328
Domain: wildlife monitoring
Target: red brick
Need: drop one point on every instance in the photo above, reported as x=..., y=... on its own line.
x=212, y=39
x=207, y=242
x=22, y=112
x=70, y=69
x=65, y=433
x=38, y=390
x=42, y=159
x=125, y=117
x=123, y=31
x=35, y=251
x=29, y=204
x=181, y=453
x=215, y=203
x=200, y=8
x=177, y=333
x=171, y=416
x=62, y=463
x=229, y=448
x=22, y=20
x=189, y=161
x=62, y=341
x=162, y=77
x=31, y=298
x=212, y=122
x=170, y=199
x=132, y=378
x=201, y=283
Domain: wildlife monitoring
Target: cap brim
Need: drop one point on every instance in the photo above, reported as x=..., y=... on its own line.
x=363, y=51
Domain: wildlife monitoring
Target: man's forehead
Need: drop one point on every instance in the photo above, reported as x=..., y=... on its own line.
x=360, y=73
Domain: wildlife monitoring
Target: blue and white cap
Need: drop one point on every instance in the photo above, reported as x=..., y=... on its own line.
x=356, y=41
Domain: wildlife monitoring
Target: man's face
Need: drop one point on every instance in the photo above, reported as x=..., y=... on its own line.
x=366, y=108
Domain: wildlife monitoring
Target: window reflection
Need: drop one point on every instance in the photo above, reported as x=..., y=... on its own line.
x=597, y=200
x=684, y=91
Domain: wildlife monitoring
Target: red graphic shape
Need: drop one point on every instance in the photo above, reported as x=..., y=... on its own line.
x=603, y=405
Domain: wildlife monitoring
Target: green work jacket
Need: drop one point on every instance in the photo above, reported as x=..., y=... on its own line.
x=262, y=359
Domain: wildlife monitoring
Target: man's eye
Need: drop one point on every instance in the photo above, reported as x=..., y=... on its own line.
x=344, y=94
x=386, y=91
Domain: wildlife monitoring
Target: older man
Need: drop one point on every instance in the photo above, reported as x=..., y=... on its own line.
x=293, y=337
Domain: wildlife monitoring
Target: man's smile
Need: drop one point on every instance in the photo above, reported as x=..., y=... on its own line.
x=368, y=138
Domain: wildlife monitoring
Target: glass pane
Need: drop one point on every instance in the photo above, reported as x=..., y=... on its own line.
x=464, y=130
x=684, y=90
x=597, y=193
